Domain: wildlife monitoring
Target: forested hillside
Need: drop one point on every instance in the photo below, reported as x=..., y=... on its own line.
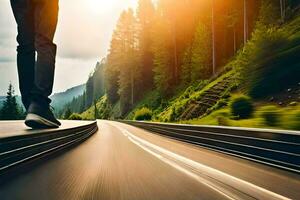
x=59, y=100
x=173, y=43
x=184, y=60
x=94, y=89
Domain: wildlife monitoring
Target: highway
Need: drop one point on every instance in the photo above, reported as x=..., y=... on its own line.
x=128, y=163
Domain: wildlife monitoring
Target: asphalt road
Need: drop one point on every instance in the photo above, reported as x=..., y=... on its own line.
x=127, y=163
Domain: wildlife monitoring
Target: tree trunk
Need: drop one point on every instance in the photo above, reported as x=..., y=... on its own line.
x=234, y=40
x=132, y=88
x=245, y=22
x=96, y=110
x=281, y=9
x=213, y=39
x=175, y=54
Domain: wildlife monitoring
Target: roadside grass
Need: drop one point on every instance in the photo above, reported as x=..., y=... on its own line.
x=151, y=101
x=289, y=119
x=103, y=110
x=261, y=74
x=192, y=93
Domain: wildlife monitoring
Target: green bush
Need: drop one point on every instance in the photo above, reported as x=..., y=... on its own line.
x=294, y=103
x=271, y=115
x=241, y=106
x=273, y=57
x=75, y=116
x=143, y=114
x=292, y=120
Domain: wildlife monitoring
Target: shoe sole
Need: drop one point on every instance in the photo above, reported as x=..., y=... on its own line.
x=37, y=122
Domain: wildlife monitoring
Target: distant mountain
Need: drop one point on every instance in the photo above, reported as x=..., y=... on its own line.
x=59, y=100
x=95, y=89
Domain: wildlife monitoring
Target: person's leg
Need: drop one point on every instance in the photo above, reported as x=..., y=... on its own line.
x=46, y=15
x=39, y=114
x=24, y=15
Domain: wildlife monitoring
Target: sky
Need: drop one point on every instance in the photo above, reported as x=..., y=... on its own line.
x=83, y=35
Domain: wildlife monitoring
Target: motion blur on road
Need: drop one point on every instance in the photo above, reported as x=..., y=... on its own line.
x=124, y=162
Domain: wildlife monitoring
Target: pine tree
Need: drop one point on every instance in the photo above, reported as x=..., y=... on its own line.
x=245, y=21
x=213, y=31
x=96, y=114
x=169, y=12
x=123, y=71
x=89, y=97
x=201, y=55
x=186, y=66
x=270, y=13
x=98, y=80
x=129, y=66
x=112, y=67
x=111, y=82
x=82, y=102
x=232, y=21
x=22, y=112
x=10, y=109
x=145, y=21
x=197, y=58
x=161, y=46
x=67, y=113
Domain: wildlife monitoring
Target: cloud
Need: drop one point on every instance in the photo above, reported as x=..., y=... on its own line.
x=82, y=36
x=8, y=73
x=7, y=59
x=71, y=72
x=7, y=53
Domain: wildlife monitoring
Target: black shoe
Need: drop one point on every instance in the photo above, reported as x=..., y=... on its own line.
x=40, y=117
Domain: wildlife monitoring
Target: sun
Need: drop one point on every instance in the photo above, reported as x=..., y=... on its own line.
x=101, y=6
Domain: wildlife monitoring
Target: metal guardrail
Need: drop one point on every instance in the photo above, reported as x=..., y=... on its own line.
x=20, y=149
x=280, y=149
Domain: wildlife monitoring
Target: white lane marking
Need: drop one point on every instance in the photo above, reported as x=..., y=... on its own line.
x=179, y=168
x=242, y=185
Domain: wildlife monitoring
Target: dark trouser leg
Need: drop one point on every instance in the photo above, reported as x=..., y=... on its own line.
x=46, y=15
x=24, y=14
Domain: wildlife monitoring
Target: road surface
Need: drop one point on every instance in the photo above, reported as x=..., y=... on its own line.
x=127, y=163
